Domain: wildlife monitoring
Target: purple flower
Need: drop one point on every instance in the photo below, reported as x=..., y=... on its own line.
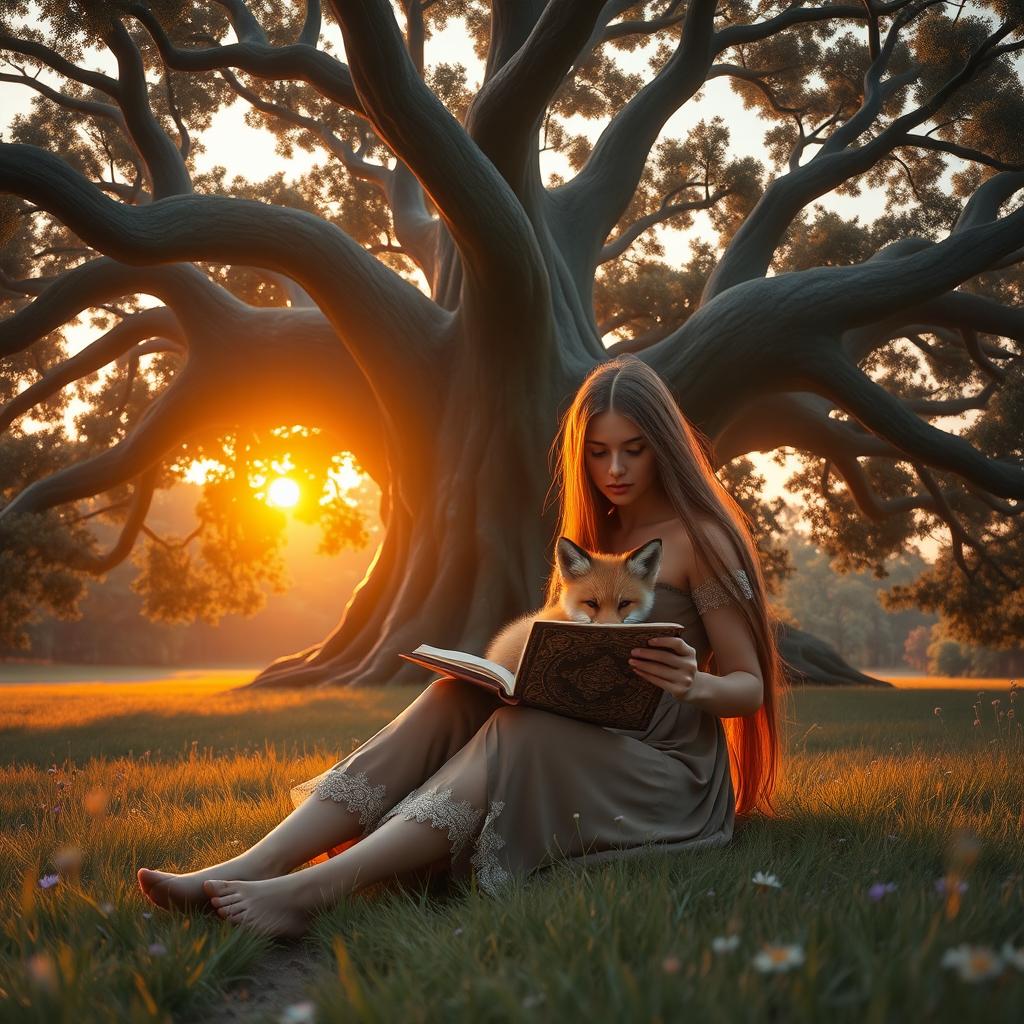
x=49, y=881
x=942, y=886
x=879, y=889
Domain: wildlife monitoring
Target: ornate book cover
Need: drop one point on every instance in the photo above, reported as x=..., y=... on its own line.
x=577, y=669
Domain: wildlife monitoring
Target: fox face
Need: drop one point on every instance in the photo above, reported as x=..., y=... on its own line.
x=595, y=588
x=608, y=588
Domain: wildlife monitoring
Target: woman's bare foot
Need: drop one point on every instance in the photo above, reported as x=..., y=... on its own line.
x=276, y=906
x=185, y=892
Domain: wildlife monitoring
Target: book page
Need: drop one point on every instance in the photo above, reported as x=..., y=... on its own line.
x=492, y=669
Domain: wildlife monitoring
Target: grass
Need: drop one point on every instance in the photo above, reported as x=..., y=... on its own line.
x=877, y=789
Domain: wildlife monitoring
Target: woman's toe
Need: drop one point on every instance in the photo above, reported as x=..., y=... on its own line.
x=216, y=887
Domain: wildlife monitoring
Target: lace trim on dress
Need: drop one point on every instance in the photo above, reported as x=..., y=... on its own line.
x=458, y=817
x=490, y=875
x=711, y=594
x=355, y=790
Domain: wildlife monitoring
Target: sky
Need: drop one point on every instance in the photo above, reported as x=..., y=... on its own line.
x=245, y=150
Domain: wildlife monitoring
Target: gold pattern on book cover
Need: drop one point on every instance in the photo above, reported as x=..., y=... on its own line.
x=579, y=676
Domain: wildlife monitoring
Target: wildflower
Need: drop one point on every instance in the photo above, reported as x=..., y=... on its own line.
x=671, y=965
x=766, y=881
x=106, y=907
x=67, y=860
x=56, y=808
x=575, y=815
x=298, y=1013
x=52, y=770
x=711, y=892
x=943, y=886
x=147, y=914
x=973, y=963
x=157, y=949
x=778, y=958
x=725, y=943
x=458, y=931
x=49, y=881
x=42, y=970
x=1013, y=956
x=880, y=889
x=937, y=712
x=618, y=817
x=977, y=722
x=95, y=801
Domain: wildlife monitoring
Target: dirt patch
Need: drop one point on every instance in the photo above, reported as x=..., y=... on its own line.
x=277, y=980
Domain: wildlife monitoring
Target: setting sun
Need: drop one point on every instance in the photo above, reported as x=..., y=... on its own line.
x=283, y=492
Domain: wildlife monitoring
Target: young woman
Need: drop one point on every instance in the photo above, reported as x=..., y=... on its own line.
x=462, y=783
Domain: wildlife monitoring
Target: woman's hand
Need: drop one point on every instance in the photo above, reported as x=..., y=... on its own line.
x=669, y=662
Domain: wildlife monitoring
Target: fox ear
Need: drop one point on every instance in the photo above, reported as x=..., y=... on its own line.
x=645, y=561
x=573, y=561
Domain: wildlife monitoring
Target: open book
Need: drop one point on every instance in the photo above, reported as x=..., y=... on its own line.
x=577, y=669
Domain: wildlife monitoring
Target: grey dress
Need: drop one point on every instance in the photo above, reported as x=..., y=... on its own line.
x=518, y=789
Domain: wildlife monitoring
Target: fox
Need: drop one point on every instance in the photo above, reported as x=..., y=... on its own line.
x=596, y=587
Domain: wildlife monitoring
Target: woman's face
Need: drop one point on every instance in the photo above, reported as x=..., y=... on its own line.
x=616, y=452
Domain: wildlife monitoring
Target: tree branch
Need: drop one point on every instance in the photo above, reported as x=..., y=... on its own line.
x=166, y=166
x=750, y=250
x=500, y=254
x=299, y=62
x=666, y=211
x=158, y=322
x=505, y=116
x=594, y=201
x=182, y=287
x=886, y=416
x=142, y=498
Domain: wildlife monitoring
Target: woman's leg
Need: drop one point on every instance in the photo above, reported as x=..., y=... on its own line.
x=399, y=846
x=347, y=800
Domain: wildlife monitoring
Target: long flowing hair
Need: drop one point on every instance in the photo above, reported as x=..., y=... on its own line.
x=628, y=386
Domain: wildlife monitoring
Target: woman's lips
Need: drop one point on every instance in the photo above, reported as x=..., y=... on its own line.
x=619, y=488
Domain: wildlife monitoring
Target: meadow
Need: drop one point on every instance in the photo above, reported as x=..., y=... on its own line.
x=890, y=885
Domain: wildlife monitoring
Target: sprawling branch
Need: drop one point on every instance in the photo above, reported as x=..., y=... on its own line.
x=91, y=108
x=888, y=417
x=196, y=298
x=751, y=249
x=150, y=323
x=168, y=421
x=161, y=156
x=848, y=296
x=300, y=62
x=142, y=498
x=310, y=34
x=596, y=198
x=370, y=306
x=44, y=55
x=506, y=115
x=666, y=211
x=415, y=229
x=500, y=254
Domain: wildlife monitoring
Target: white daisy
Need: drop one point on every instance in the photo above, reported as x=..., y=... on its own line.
x=298, y=1013
x=778, y=958
x=973, y=963
x=766, y=880
x=1013, y=956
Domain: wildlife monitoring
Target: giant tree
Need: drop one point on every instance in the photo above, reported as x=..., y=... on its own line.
x=430, y=296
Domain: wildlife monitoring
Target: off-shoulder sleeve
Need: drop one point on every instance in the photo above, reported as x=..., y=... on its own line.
x=712, y=594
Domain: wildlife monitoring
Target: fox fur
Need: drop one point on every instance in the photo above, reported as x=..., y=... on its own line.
x=595, y=588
